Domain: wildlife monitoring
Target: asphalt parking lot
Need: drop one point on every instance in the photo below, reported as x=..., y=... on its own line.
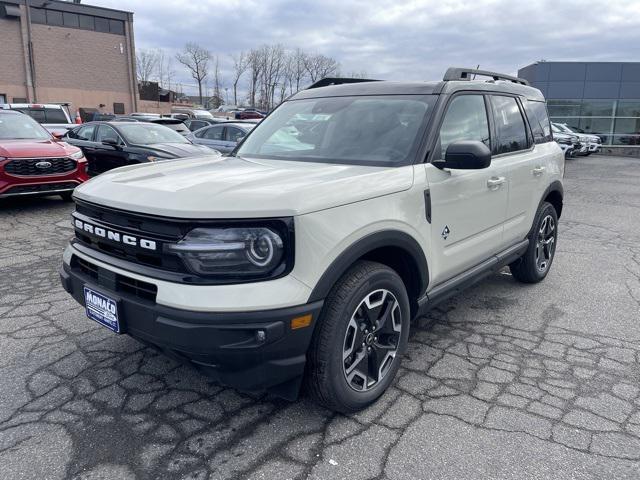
x=503, y=381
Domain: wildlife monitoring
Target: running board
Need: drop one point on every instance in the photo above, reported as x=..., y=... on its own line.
x=470, y=277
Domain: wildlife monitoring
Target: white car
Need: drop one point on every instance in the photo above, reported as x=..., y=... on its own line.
x=589, y=143
x=52, y=116
x=304, y=255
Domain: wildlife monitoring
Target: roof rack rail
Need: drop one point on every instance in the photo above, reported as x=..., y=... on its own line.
x=325, y=82
x=456, y=73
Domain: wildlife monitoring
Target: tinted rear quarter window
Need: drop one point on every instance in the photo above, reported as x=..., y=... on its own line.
x=55, y=115
x=510, y=127
x=539, y=121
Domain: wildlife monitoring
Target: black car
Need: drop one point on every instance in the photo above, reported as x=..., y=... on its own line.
x=108, y=145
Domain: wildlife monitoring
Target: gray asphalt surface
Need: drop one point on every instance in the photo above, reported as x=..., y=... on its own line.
x=503, y=381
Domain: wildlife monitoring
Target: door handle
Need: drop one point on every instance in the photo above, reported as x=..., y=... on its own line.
x=494, y=182
x=538, y=171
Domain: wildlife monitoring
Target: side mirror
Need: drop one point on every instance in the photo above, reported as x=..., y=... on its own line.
x=112, y=142
x=466, y=155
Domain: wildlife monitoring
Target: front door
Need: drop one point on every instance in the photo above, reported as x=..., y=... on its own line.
x=109, y=156
x=468, y=207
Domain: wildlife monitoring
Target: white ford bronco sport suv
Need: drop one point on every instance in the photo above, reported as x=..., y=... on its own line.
x=303, y=255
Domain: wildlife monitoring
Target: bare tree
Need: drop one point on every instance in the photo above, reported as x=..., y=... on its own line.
x=240, y=65
x=298, y=70
x=146, y=63
x=254, y=64
x=166, y=73
x=196, y=59
x=217, y=81
x=319, y=66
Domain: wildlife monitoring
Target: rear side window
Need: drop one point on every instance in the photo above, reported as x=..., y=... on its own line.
x=511, y=133
x=539, y=121
x=466, y=119
x=46, y=115
x=213, y=133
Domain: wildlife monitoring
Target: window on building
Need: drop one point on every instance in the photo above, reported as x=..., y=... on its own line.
x=596, y=108
x=38, y=15
x=86, y=22
x=116, y=26
x=54, y=18
x=102, y=24
x=510, y=128
x=564, y=108
x=118, y=108
x=466, y=119
x=3, y=98
x=71, y=20
x=628, y=108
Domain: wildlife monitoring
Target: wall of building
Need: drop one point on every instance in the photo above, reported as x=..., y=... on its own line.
x=13, y=78
x=598, y=97
x=86, y=64
x=85, y=68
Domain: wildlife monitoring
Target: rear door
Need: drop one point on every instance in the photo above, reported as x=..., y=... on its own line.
x=212, y=137
x=514, y=147
x=468, y=206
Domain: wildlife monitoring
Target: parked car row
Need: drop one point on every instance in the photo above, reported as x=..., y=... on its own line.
x=33, y=161
x=573, y=142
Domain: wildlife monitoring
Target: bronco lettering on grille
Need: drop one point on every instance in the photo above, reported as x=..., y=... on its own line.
x=115, y=236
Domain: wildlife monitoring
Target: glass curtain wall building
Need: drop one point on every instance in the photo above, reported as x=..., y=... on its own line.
x=602, y=98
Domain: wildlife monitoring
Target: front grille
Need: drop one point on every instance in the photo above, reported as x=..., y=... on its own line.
x=27, y=167
x=40, y=188
x=114, y=281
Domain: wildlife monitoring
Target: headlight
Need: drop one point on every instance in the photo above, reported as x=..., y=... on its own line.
x=77, y=156
x=231, y=252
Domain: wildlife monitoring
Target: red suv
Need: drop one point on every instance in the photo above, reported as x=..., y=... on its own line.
x=32, y=162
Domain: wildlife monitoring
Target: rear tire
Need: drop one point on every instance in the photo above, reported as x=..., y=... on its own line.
x=534, y=265
x=358, y=343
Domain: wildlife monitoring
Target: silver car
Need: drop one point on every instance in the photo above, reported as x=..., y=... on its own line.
x=222, y=137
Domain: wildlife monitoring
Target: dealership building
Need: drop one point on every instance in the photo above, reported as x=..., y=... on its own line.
x=55, y=51
x=596, y=97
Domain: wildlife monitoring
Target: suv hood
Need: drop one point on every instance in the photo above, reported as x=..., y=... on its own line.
x=234, y=187
x=34, y=148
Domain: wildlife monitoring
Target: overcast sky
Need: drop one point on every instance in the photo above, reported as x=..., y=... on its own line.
x=410, y=40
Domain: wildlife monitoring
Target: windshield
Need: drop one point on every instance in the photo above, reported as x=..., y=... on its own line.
x=19, y=127
x=564, y=128
x=148, y=134
x=202, y=114
x=361, y=130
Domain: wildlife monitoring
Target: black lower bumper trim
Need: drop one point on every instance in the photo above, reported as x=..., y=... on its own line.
x=253, y=351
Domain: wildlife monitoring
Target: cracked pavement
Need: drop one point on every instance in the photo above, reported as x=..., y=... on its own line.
x=503, y=381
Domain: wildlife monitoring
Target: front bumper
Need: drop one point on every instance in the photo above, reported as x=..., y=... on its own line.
x=251, y=351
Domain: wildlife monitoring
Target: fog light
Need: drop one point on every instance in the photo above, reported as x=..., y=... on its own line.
x=261, y=336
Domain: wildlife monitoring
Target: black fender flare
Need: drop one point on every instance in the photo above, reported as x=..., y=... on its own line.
x=373, y=241
x=555, y=186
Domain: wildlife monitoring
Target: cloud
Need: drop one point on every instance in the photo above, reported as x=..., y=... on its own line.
x=401, y=40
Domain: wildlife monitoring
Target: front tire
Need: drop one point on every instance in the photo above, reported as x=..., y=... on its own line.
x=67, y=196
x=534, y=265
x=362, y=334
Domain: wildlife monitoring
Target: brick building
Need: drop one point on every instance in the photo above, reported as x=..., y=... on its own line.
x=57, y=51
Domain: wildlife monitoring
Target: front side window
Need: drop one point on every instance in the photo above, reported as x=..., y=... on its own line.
x=105, y=132
x=235, y=134
x=466, y=119
x=21, y=127
x=511, y=132
x=84, y=133
x=379, y=130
